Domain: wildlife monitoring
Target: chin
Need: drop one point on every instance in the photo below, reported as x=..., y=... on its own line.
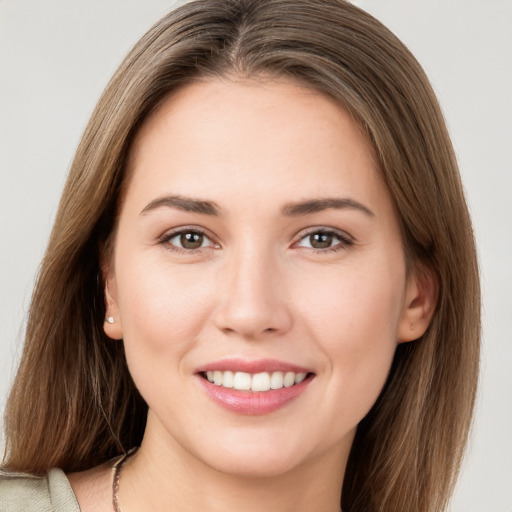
x=256, y=466
x=258, y=454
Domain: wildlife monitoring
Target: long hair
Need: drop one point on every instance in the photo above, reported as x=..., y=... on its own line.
x=73, y=403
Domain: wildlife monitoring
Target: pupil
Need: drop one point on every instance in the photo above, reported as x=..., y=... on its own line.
x=191, y=240
x=321, y=240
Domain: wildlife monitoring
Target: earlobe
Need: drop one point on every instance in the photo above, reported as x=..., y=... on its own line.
x=419, y=305
x=112, y=325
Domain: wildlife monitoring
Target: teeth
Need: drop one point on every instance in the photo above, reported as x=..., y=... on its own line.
x=217, y=378
x=263, y=381
x=276, y=380
x=260, y=382
x=242, y=381
x=289, y=379
x=228, y=380
x=300, y=377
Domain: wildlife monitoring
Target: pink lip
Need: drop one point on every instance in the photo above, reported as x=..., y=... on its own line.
x=256, y=366
x=253, y=403
x=248, y=402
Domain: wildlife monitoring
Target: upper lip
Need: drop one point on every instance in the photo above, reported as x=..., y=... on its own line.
x=252, y=366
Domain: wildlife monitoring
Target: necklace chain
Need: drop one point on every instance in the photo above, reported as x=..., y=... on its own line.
x=117, y=475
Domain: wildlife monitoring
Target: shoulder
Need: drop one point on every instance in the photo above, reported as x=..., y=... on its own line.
x=21, y=492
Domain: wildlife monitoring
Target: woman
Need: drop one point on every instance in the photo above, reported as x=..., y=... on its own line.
x=265, y=208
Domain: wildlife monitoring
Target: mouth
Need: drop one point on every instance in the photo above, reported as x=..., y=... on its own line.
x=254, y=387
x=257, y=382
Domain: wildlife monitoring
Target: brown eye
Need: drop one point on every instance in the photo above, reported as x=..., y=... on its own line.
x=188, y=240
x=191, y=240
x=325, y=240
x=321, y=240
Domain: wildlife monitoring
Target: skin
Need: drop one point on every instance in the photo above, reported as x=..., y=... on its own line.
x=255, y=289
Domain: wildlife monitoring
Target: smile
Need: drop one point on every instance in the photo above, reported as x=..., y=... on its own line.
x=254, y=387
x=258, y=382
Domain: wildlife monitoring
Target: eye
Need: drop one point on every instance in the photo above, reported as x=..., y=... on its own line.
x=325, y=240
x=187, y=240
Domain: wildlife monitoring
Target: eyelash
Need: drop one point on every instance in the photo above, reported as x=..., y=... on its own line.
x=345, y=240
x=165, y=239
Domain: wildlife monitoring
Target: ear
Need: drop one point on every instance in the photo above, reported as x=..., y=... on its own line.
x=419, y=305
x=112, y=324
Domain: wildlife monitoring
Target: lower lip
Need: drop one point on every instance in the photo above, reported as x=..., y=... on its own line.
x=253, y=403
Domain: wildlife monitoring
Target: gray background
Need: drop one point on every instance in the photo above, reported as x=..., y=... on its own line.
x=56, y=57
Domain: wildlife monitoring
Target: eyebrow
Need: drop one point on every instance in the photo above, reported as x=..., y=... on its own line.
x=317, y=205
x=185, y=204
x=296, y=209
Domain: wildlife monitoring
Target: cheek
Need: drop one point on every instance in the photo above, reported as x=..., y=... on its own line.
x=354, y=320
x=161, y=306
x=360, y=306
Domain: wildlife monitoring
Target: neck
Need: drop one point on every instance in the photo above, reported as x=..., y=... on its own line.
x=159, y=478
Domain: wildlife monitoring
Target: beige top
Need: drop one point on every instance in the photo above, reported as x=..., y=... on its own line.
x=20, y=492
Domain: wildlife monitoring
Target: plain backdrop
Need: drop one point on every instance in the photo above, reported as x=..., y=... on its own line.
x=56, y=57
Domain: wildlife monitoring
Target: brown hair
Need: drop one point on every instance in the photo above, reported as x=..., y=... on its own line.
x=74, y=404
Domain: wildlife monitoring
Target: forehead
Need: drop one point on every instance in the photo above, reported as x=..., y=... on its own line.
x=262, y=135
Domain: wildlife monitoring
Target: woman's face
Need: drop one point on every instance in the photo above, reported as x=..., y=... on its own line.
x=256, y=238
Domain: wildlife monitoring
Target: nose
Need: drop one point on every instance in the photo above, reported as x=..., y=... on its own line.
x=252, y=297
